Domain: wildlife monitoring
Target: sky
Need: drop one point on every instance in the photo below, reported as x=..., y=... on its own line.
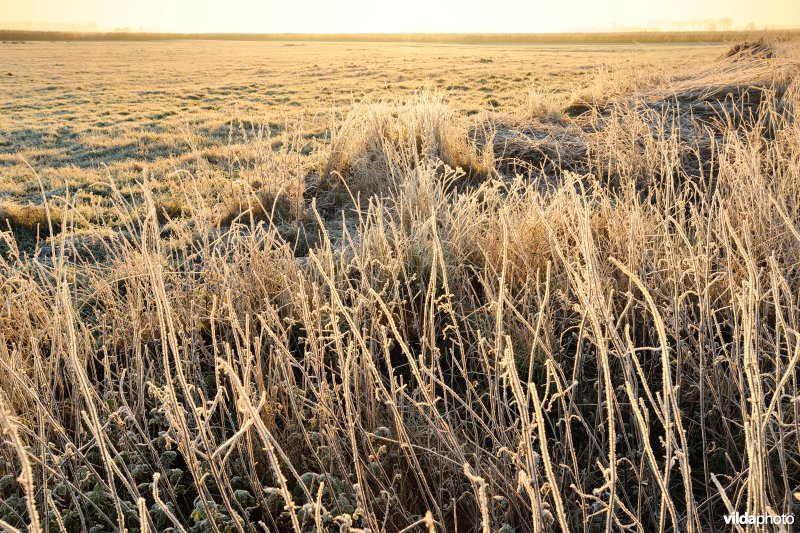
x=386, y=16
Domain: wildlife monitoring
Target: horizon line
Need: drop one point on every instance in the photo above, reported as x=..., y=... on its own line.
x=479, y=37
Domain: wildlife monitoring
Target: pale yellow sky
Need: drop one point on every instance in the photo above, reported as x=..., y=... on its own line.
x=339, y=16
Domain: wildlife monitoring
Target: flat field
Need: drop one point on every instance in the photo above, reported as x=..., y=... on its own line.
x=81, y=112
x=296, y=286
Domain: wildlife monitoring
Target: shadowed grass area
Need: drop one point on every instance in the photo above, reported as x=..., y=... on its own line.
x=519, y=320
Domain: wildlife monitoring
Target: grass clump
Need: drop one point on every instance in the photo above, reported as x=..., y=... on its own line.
x=380, y=145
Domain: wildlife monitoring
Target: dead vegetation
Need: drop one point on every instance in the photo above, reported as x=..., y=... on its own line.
x=530, y=323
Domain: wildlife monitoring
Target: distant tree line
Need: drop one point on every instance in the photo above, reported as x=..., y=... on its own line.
x=463, y=38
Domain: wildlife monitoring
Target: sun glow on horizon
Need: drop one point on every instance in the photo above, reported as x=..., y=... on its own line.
x=416, y=16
